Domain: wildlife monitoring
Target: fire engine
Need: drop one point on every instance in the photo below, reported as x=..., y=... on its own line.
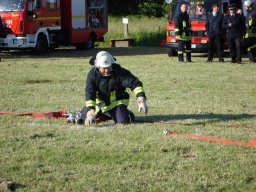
x=197, y=10
x=42, y=24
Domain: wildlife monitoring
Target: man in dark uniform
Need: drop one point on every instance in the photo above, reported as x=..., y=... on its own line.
x=214, y=30
x=234, y=25
x=105, y=91
x=251, y=30
x=183, y=33
x=1, y=27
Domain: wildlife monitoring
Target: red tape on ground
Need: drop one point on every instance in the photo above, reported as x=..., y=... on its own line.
x=58, y=114
x=250, y=143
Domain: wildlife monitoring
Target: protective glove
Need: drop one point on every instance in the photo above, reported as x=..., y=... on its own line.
x=142, y=105
x=90, y=117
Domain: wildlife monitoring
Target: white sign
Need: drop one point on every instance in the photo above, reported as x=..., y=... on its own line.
x=125, y=20
x=168, y=1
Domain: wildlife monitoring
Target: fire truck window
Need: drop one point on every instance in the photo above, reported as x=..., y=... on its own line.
x=4, y=5
x=37, y=4
x=52, y=4
x=12, y=5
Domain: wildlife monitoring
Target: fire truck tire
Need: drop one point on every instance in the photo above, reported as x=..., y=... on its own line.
x=41, y=45
x=90, y=43
x=171, y=52
x=80, y=46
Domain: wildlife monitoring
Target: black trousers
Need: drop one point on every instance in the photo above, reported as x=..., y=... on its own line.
x=215, y=42
x=251, y=48
x=235, y=49
x=184, y=47
x=119, y=114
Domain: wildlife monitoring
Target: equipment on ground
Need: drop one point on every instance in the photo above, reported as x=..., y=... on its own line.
x=250, y=143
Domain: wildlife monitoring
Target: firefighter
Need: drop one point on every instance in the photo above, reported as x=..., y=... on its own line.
x=106, y=94
x=214, y=30
x=1, y=27
x=234, y=25
x=183, y=33
x=251, y=30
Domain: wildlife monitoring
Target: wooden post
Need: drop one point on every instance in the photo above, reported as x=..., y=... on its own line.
x=126, y=30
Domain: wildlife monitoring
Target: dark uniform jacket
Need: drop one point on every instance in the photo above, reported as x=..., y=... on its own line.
x=110, y=90
x=214, y=24
x=237, y=28
x=1, y=24
x=251, y=23
x=182, y=26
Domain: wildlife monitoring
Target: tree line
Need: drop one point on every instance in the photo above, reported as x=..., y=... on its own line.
x=149, y=8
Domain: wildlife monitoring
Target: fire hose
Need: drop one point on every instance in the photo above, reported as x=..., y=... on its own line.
x=250, y=143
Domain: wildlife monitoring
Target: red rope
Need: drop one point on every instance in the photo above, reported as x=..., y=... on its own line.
x=58, y=114
x=250, y=143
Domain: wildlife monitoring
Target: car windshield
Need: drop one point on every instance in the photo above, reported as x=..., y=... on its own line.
x=11, y=5
x=197, y=10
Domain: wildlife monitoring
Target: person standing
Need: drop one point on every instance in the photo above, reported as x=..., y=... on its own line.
x=251, y=30
x=1, y=27
x=215, y=31
x=234, y=25
x=183, y=33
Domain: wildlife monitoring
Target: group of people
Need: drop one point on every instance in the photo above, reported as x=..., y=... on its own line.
x=233, y=24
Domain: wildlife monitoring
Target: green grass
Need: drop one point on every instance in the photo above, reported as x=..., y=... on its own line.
x=215, y=100
x=146, y=31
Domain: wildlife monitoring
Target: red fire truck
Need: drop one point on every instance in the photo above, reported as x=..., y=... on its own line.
x=197, y=10
x=42, y=24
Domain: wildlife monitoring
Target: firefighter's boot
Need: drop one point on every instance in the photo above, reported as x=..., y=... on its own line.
x=180, y=57
x=188, y=56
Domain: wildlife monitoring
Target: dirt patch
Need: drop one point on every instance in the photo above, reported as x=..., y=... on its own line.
x=38, y=81
x=8, y=185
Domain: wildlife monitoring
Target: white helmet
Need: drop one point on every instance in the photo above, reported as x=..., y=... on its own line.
x=101, y=53
x=248, y=3
x=104, y=59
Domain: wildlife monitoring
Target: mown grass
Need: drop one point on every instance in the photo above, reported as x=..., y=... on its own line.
x=216, y=100
x=146, y=31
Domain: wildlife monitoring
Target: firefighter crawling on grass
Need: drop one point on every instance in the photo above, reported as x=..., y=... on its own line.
x=106, y=96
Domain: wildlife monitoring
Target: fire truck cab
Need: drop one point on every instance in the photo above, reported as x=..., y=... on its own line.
x=197, y=10
x=43, y=24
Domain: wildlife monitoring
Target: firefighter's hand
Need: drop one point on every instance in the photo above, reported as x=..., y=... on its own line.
x=230, y=24
x=142, y=105
x=177, y=37
x=90, y=117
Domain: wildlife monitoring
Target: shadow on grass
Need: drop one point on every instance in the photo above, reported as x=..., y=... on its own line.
x=202, y=119
x=71, y=52
x=6, y=185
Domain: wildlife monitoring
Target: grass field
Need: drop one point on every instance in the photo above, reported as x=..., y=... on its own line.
x=146, y=31
x=214, y=100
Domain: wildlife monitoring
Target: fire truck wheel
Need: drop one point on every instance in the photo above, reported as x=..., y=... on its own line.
x=90, y=43
x=171, y=52
x=41, y=45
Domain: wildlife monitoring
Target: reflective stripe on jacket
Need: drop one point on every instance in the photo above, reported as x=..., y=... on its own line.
x=183, y=26
x=251, y=23
x=110, y=91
